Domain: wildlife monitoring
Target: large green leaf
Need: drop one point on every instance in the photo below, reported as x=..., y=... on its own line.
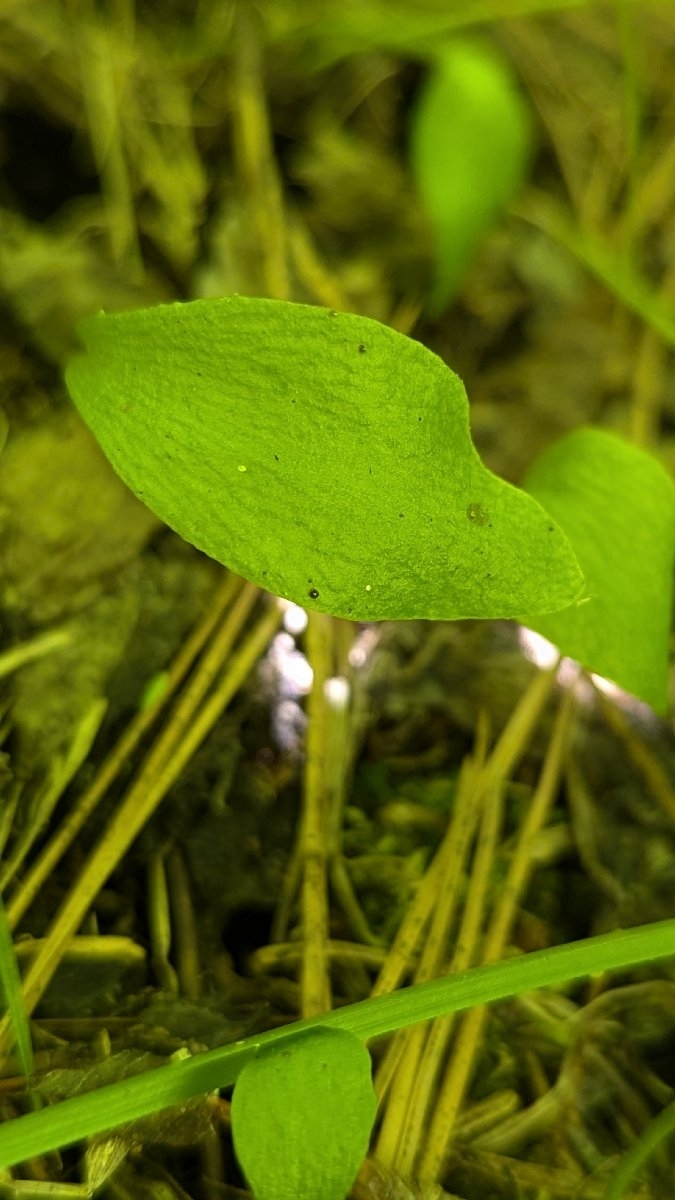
x=469, y=146
x=617, y=505
x=302, y=1115
x=321, y=455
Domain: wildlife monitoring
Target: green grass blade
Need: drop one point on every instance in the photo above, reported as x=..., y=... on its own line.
x=657, y=1131
x=106, y=1108
x=10, y=990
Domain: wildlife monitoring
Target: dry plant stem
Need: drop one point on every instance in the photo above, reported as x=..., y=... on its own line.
x=341, y=751
x=345, y=895
x=649, y=767
x=314, y=975
x=510, y=745
x=541, y=1118
x=287, y=955
x=159, y=924
x=435, y=874
x=650, y=376
x=338, y=750
x=290, y=886
x=631, y=50
x=479, y=1118
x=406, y=314
x=459, y=1069
x=406, y=1047
x=8, y=811
x=648, y=389
x=82, y=808
x=102, y=70
x=61, y=775
x=515, y=736
x=184, y=923
x=438, y=1037
x=518, y=1178
x=311, y=270
x=582, y=806
x=185, y=732
x=255, y=156
x=37, y=647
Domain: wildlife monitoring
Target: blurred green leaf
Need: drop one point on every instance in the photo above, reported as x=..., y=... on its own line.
x=469, y=147
x=617, y=505
x=302, y=1115
x=322, y=455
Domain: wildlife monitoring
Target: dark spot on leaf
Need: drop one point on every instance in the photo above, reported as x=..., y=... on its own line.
x=362, y=349
x=400, y=514
x=551, y=529
x=476, y=514
x=276, y=457
x=332, y=313
x=313, y=594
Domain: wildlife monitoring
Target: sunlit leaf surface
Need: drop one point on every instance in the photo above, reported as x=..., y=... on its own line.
x=322, y=455
x=302, y=1115
x=617, y=505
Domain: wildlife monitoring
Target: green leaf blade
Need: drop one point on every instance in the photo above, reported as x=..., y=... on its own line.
x=11, y=996
x=321, y=455
x=469, y=146
x=617, y=505
x=302, y=1114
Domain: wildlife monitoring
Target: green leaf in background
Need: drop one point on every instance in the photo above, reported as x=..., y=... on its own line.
x=321, y=455
x=469, y=146
x=302, y=1115
x=617, y=505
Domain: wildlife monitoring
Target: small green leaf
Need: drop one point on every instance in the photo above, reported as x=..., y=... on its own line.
x=302, y=1114
x=469, y=146
x=321, y=455
x=617, y=505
